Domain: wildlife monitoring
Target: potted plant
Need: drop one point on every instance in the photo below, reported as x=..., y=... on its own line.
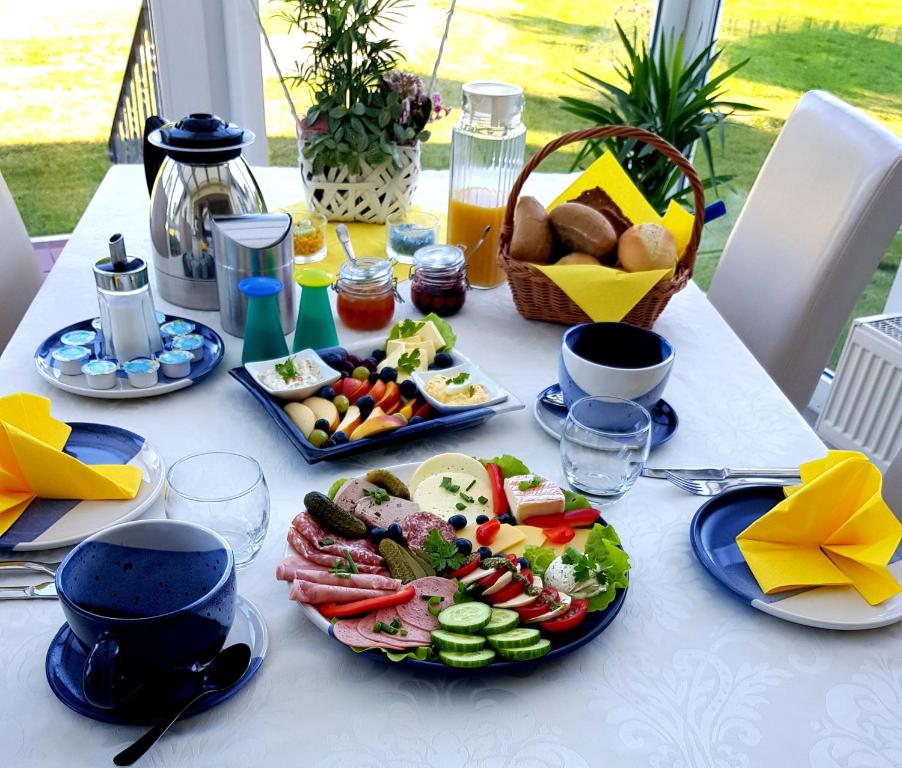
x=359, y=141
x=667, y=95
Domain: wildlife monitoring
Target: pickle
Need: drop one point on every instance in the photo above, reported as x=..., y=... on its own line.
x=386, y=480
x=399, y=562
x=332, y=517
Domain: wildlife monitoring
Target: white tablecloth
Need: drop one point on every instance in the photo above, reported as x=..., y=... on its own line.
x=686, y=676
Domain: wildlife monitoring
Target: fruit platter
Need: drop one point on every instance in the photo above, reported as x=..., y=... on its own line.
x=455, y=563
x=379, y=392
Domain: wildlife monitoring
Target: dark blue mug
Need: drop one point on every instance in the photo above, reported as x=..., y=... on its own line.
x=614, y=360
x=145, y=600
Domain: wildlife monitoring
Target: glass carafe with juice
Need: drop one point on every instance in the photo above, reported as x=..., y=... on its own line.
x=487, y=149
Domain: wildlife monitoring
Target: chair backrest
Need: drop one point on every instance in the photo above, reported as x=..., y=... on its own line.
x=816, y=223
x=892, y=485
x=20, y=277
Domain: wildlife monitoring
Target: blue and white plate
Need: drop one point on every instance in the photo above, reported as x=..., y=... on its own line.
x=47, y=367
x=713, y=535
x=51, y=523
x=664, y=420
x=65, y=665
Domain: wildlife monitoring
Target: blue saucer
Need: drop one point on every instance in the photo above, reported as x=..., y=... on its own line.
x=664, y=420
x=66, y=660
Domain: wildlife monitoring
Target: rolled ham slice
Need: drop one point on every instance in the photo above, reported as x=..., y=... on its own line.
x=361, y=550
x=300, y=545
x=293, y=565
x=315, y=594
x=362, y=580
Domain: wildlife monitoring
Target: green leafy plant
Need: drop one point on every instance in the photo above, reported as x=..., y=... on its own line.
x=677, y=100
x=364, y=107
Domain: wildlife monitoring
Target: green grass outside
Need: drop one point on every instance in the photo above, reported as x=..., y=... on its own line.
x=62, y=69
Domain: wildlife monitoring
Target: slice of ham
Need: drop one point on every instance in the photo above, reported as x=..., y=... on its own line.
x=300, y=545
x=361, y=550
x=387, y=640
x=362, y=580
x=293, y=565
x=416, y=528
x=383, y=515
x=415, y=612
x=315, y=594
x=352, y=492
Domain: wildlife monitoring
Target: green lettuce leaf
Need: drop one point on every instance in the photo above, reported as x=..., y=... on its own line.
x=404, y=328
x=333, y=489
x=511, y=466
x=573, y=500
x=422, y=653
x=444, y=328
x=603, y=547
x=539, y=558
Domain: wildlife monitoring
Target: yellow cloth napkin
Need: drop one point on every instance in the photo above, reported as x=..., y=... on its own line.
x=367, y=239
x=604, y=293
x=833, y=529
x=32, y=463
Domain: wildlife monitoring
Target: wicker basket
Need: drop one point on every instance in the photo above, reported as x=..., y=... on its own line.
x=537, y=297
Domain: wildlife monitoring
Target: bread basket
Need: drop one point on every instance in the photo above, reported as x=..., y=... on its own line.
x=537, y=297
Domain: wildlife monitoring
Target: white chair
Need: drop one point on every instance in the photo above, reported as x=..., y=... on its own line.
x=892, y=485
x=21, y=277
x=825, y=206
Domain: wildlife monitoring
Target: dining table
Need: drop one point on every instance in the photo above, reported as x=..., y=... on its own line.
x=686, y=676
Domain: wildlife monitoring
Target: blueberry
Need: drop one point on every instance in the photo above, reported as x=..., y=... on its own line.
x=482, y=519
x=414, y=420
x=373, y=378
x=353, y=360
x=457, y=522
x=524, y=563
x=463, y=546
x=366, y=405
x=369, y=363
x=340, y=438
x=347, y=366
x=334, y=358
x=484, y=552
x=408, y=388
x=326, y=392
x=443, y=360
x=388, y=374
x=321, y=424
x=395, y=532
x=507, y=518
x=328, y=443
x=378, y=354
x=377, y=534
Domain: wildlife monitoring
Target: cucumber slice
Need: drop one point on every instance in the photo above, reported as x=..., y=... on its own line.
x=465, y=617
x=527, y=652
x=454, y=641
x=502, y=620
x=470, y=660
x=515, y=638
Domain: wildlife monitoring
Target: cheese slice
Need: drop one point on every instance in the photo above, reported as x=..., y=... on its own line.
x=430, y=333
x=532, y=536
x=425, y=346
x=394, y=358
x=578, y=542
x=432, y=497
x=508, y=536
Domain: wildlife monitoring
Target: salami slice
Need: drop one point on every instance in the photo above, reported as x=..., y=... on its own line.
x=415, y=612
x=361, y=550
x=300, y=545
x=416, y=528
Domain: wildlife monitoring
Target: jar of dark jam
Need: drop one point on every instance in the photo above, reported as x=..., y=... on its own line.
x=366, y=294
x=438, y=279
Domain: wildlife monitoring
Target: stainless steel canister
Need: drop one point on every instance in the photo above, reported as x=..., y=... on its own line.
x=251, y=245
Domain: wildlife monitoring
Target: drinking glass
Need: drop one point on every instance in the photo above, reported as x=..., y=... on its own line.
x=604, y=445
x=308, y=237
x=223, y=491
x=407, y=232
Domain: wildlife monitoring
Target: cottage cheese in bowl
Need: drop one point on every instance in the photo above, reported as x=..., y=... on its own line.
x=294, y=377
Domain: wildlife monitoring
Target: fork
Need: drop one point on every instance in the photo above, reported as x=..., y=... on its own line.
x=25, y=565
x=715, y=487
x=46, y=590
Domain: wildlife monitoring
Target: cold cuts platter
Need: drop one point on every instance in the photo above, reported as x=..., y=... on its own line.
x=455, y=563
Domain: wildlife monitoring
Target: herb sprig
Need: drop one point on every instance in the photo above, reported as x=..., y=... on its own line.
x=378, y=495
x=459, y=379
x=442, y=554
x=409, y=361
x=534, y=482
x=287, y=370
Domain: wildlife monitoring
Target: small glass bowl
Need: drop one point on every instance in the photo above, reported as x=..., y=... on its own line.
x=407, y=232
x=308, y=237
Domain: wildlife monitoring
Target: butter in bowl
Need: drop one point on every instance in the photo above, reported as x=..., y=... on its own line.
x=459, y=388
x=294, y=377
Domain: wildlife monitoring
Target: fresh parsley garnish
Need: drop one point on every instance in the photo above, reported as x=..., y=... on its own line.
x=409, y=361
x=378, y=495
x=409, y=328
x=459, y=379
x=482, y=500
x=287, y=370
x=468, y=499
x=534, y=482
x=448, y=485
x=442, y=554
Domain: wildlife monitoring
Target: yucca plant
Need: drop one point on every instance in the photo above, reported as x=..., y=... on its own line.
x=663, y=94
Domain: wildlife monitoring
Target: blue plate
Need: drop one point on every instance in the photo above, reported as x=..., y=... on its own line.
x=47, y=368
x=66, y=661
x=51, y=523
x=713, y=534
x=664, y=420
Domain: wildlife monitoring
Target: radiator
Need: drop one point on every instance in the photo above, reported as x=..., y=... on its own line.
x=863, y=411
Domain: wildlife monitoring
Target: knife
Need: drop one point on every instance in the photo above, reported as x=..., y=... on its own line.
x=45, y=590
x=720, y=474
x=27, y=565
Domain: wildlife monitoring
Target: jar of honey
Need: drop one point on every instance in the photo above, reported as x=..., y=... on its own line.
x=438, y=280
x=366, y=294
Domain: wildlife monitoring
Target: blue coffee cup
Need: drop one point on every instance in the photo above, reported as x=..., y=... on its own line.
x=145, y=600
x=614, y=360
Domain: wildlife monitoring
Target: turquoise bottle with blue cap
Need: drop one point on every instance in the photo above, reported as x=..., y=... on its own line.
x=264, y=338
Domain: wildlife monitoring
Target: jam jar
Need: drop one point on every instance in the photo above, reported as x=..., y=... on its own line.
x=438, y=279
x=366, y=293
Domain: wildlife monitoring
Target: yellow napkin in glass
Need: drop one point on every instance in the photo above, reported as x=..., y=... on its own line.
x=833, y=529
x=367, y=239
x=32, y=463
x=603, y=293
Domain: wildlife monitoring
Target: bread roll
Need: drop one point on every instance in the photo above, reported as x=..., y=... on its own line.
x=583, y=230
x=579, y=258
x=532, y=239
x=646, y=246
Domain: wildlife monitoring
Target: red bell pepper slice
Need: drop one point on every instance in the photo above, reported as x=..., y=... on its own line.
x=340, y=610
x=466, y=568
x=577, y=518
x=496, y=479
x=560, y=535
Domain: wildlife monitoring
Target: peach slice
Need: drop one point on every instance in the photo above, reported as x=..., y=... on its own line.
x=377, y=423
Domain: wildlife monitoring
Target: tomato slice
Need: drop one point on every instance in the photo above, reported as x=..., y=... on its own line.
x=547, y=596
x=486, y=533
x=571, y=619
x=511, y=590
x=339, y=610
x=468, y=567
x=577, y=518
x=560, y=535
x=499, y=498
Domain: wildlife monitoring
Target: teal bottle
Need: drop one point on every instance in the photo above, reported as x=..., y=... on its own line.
x=263, y=336
x=315, y=328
